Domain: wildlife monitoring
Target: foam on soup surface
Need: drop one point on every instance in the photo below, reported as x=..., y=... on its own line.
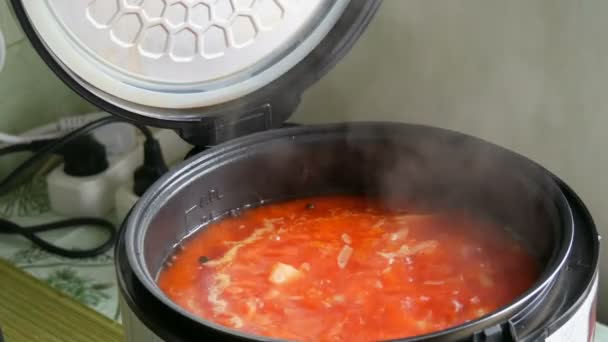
x=346, y=269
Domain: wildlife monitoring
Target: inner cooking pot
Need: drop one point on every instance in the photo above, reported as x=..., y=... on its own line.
x=432, y=168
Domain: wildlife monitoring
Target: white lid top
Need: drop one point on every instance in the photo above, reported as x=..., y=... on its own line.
x=179, y=54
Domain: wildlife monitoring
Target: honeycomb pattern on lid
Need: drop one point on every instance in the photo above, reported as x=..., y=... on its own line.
x=183, y=29
x=143, y=55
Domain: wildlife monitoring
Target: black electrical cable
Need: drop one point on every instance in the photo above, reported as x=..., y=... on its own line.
x=30, y=233
x=44, y=151
x=49, y=149
x=59, y=143
x=24, y=147
x=14, y=149
x=143, y=129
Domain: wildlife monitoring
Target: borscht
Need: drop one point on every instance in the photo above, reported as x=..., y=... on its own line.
x=346, y=268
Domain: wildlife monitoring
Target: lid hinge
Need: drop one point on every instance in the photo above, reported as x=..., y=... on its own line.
x=213, y=130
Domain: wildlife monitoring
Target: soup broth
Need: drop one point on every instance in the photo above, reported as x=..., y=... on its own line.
x=343, y=268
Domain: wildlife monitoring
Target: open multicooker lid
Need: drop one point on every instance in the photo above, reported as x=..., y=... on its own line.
x=198, y=66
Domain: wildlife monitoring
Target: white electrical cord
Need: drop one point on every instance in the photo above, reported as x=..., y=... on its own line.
x=23, y=139
x=50, y=131
x=118, y=138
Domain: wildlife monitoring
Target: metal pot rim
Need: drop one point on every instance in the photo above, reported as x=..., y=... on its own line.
x=178, y=178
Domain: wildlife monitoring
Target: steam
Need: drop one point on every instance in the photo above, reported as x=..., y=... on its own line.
x=431, y=170
x=420, y=73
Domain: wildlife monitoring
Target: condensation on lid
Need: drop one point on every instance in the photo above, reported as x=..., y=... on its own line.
x=181, y=53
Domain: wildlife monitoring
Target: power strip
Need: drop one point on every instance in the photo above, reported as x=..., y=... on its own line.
x=96, y=196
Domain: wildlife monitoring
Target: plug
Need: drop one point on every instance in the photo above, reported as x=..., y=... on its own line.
x=153, y=168
x=85, y=184
x=174, y=148
x=84, y=157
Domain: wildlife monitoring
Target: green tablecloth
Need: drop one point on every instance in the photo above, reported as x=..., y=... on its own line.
x=90, y=282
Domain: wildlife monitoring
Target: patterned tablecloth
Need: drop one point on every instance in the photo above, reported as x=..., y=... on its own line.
x=90, y=281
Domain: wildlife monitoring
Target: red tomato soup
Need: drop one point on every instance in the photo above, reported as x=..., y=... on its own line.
x=344, y=269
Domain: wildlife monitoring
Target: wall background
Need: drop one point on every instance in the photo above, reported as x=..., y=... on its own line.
x=30, y=94
x=531, y=75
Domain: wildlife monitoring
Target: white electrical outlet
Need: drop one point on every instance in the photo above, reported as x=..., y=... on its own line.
x=91, y=196
x=97, y=195
x=2, y=50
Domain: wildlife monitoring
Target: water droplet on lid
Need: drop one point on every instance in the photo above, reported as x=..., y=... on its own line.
x=214, y=194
